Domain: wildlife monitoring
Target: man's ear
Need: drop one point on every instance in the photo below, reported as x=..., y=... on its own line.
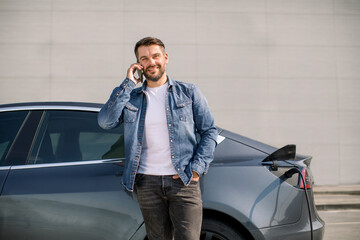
x=166, y=58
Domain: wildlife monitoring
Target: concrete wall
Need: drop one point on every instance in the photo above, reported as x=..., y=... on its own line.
x=279, y=71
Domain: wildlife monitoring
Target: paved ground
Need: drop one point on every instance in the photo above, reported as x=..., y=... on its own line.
x=339, y=207
x=341, y=224
x=337, y=197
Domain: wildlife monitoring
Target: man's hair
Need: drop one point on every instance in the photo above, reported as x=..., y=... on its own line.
x=147, y=42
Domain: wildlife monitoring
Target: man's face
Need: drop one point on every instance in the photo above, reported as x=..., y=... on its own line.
x=154, y=61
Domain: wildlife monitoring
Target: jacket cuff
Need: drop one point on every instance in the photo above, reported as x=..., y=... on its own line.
x=198, y=167
x=128, y=84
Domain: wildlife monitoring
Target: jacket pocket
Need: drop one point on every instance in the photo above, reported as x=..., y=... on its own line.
x=130, y=112
x=184, y=111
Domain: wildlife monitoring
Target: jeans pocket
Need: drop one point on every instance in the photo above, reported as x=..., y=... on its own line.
x=139, y=177
x=193, y=182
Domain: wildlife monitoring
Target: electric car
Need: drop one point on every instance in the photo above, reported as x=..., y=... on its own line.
x=60, y=178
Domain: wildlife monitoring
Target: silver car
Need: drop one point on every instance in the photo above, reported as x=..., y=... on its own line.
x=60, y=178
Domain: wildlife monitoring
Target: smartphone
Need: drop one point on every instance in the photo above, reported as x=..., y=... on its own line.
x=141, y=75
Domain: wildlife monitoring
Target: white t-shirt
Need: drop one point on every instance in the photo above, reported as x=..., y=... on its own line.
x=156, y=155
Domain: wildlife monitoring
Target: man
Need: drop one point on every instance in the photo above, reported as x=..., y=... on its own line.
x=170, y=138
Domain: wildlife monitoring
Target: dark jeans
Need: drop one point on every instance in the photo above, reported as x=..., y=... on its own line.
x=170, y=209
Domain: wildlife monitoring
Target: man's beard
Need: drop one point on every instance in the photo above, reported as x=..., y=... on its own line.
x=156, y=77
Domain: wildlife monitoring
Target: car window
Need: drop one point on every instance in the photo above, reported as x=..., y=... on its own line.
x=68, y=136
x=10, y=123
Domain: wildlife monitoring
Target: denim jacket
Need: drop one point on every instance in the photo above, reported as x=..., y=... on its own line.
x=192, y=133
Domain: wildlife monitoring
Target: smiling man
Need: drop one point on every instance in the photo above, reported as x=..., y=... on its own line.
x=170, y=138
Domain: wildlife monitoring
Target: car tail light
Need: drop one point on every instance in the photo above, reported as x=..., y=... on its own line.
x=307, y=179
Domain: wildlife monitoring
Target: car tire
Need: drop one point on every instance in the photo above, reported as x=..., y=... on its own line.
x=213, y=229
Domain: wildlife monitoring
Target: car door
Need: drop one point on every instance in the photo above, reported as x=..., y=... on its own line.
x=70, y=186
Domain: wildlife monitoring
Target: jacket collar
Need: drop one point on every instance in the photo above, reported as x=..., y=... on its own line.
x=144, y=86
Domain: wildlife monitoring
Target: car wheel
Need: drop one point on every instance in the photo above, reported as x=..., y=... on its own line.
x=213, y=229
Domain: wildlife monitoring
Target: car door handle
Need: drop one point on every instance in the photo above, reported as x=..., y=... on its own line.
x=117, y=161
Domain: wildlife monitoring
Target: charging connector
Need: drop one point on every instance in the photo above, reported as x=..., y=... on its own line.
x=289, y=174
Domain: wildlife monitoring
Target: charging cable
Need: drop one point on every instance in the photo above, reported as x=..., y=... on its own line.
x=289, y=174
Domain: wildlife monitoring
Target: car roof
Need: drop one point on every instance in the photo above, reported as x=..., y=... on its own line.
x=87, y=106
x=51, y=105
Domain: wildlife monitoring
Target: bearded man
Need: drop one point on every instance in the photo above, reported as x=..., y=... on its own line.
x=170, y=138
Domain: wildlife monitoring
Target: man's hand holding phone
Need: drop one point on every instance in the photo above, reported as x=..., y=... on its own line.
x=136, y=67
